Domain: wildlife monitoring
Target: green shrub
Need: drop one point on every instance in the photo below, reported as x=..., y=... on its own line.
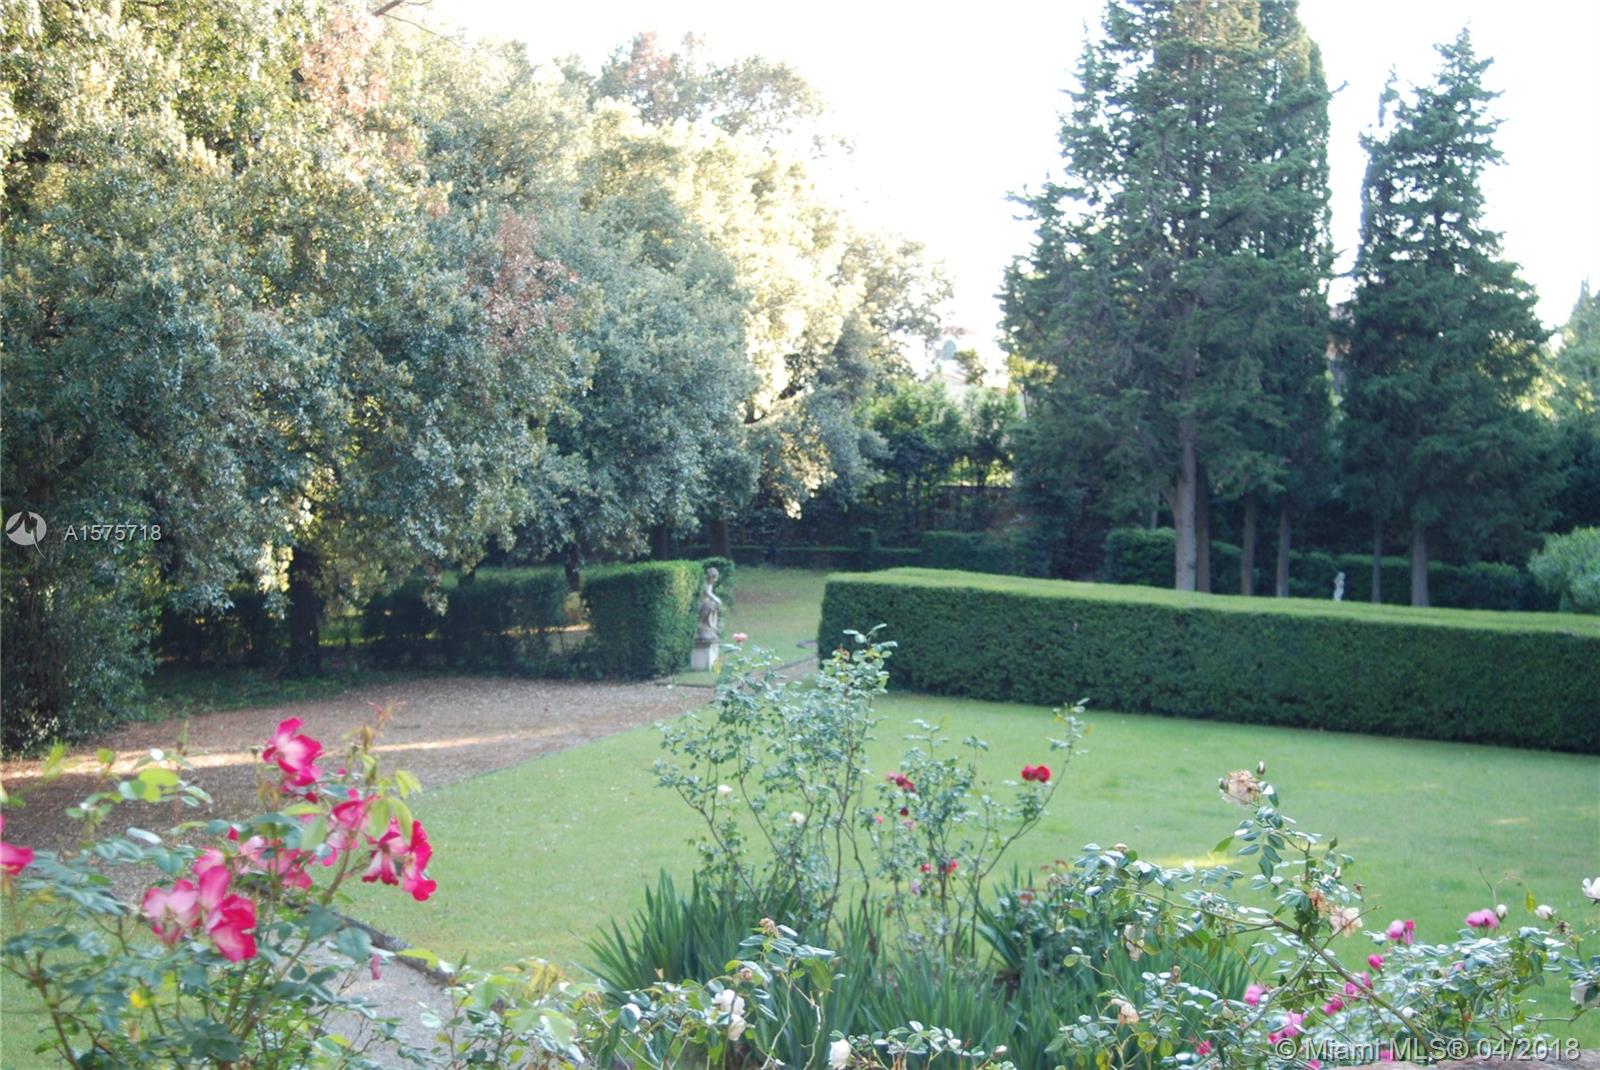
x=844, y=558
x=896, y=557
x=866, y=548
x=503, y=618
x=642, y=617
x=1568, y=568
x=1525, y=680
x=973, y=551
x=400, y=625
x=76, y=642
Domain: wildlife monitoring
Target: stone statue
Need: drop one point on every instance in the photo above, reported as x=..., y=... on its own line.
x=1338, y=587
x=708, y=635
x=710, y=610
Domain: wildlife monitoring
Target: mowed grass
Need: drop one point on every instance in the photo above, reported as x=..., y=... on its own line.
x=1564, y=623
x=533, y=860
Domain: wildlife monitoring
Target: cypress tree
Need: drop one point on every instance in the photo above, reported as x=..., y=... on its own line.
x=1444, y=342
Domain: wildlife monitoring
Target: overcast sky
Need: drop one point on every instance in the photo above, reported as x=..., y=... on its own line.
x=952, y=110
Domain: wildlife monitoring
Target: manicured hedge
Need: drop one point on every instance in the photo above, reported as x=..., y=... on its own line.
x=400, y=626
x=503, y=618
x=495, y=618
x=1529, y=680
x=1144, y=556
x=642, y=617
x=975, y=551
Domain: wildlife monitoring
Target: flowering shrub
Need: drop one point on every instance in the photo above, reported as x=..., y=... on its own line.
x=785, y=762
x=233, y=955
x=1413, y=1000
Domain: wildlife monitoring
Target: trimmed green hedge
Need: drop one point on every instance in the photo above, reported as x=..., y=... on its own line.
x=496, y=618
x=399, y=626
x=1144, y=556
x=1527, y=679
x=642, y=617
x=975, y=551
x=503, y=618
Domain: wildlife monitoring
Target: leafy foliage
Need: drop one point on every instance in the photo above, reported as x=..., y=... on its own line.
x=1569, y=568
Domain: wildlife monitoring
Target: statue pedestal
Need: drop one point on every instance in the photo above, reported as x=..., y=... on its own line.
x=704, y=656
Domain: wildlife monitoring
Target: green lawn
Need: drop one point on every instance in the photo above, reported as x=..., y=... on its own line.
x=530, y=860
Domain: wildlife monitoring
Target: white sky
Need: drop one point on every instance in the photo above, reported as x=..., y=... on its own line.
x=950, y=110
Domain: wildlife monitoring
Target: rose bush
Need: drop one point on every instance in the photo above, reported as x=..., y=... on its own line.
x=784, y=763
x=234, y=954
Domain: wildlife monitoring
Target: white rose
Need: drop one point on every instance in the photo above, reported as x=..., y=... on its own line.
x=1130, y=940
x=1240, y=786
x=838, y=1055
x=723, y=791
x=1591, y=888
x=1545, y=911
x=797, y=819
x=728, y=1002
x=1500, y=911
x=1346, y=920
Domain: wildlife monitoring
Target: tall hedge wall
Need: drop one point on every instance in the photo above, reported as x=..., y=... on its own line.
x=1529, y=680
x=1144, y=556
x=642, y=617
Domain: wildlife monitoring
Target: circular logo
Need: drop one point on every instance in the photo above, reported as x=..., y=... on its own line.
x=25, y=529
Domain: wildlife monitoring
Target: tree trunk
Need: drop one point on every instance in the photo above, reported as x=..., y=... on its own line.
x=305, y=611
x=1183, y=510
x=574, y=572
x=1202, y=531
x=721, y=542
x=1419, y=564
x=1377, y=560
x=1247, y=549
x=1281, y=589
x=660, y=542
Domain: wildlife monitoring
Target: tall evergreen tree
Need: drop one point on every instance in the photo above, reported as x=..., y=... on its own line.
x=1443, y=339
x=1180, y=263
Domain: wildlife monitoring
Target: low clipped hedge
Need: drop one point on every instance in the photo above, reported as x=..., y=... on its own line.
x=1144, y=556
x=1527, y=680
x=400, y=626
x=642, y=617
x=503, y=618
x=494, y=618
x=975, y=551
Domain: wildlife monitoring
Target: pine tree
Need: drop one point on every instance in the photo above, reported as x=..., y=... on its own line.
x=1443, y=337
